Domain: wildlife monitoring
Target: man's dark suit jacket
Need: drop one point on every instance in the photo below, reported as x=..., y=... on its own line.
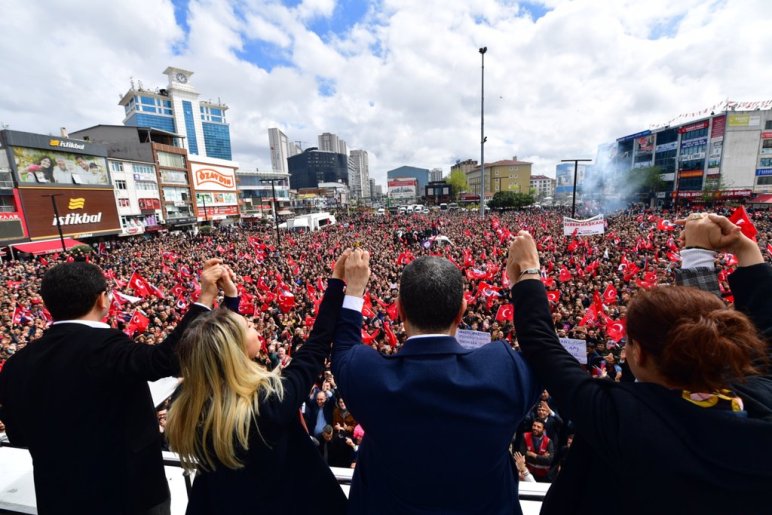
x=78, y=399
x=312, y=411
x=661, y=453
x=438, y=422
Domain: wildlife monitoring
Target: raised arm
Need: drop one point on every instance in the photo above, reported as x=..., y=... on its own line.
x=308, y=362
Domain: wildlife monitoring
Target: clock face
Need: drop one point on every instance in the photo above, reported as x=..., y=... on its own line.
x=181, y=77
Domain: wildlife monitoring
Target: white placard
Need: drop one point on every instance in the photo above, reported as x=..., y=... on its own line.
x=577, y=348
x=594, y=225
x=472, y=339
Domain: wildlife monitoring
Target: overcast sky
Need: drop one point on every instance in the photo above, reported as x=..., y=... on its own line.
x=398, y=78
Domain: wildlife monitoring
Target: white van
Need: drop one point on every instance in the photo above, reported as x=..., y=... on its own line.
x=443, y=207
x=402, y=209
x=380, y=211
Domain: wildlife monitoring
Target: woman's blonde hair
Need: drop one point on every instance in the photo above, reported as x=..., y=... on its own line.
x=220, y=395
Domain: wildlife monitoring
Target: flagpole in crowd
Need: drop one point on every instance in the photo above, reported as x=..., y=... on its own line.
x=56, y=217
x=482, y=133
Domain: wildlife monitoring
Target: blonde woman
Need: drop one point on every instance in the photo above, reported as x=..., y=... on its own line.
x=238, y=425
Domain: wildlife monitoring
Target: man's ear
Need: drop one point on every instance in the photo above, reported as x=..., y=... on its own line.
x=401, y=310
x=102, y=302
x=461, y=311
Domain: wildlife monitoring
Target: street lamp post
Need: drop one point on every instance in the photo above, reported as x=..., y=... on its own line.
x=275, y=217
x=576, y=173
x=482, y=132
x=206, y=217
x=53, y=196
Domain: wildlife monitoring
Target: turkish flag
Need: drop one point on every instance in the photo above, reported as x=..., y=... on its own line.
x=505, y=282
x=615, y=329
x=549, y=282
x=769, y=248
x=286, y=301
x=139, y=322
x=262, y=284
x=391, y=338
x=309, y=321
x=139, y=284
x=368, y=339
x=178, y=291
x=310, y=290
x=553, y=296
x=564, y=274
x=505, y=313
x=392, y=312
x=610, y=294
x=740, y=218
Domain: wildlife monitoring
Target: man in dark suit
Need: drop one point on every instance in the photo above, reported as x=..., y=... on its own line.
x=78, y=399
x=459, y=407
x=318, y=413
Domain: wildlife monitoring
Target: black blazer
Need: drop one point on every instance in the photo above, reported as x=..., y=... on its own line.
x=641, y=448
x=283, y=472
x=78, y=399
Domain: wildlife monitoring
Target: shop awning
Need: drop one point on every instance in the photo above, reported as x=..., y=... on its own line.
x=763, y=199
x=46, y=247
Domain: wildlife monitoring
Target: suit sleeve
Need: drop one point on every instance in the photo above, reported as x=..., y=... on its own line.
x=119, y=356
x=578, y=397
x=308, y=362
x=752, y=290
x=348, y=336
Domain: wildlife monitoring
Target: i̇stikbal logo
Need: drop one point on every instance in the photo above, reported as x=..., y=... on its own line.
x=66, y=144
x=78, y=218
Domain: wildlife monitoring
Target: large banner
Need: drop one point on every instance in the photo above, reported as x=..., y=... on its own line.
x=564, y=176
x=594, y=225
x=36, y=166
x=82, y=212
x=403, y=188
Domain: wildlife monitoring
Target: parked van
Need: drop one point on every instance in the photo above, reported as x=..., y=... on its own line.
x=380, y=211
x=443, y=207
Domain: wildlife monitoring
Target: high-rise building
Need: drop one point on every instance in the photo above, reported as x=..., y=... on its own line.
x=177, y=109
x=313, y=166
x=421, y=175
x=281, y=150
x=435, y=175
x=329, y=142
x=359, y=174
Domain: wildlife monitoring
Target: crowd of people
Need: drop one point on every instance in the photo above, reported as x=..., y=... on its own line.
x=589, y=280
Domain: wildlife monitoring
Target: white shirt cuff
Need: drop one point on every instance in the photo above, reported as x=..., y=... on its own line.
x=355, y=303
x=208, y=308
x=698, y=258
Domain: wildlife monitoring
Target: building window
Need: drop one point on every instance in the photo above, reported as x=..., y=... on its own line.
x=146, y=186
x=174, y=177
x=116, y=166
x=768, y=125
x=120, y=185
x=123, y=202
x=145, y=169
x=171, y=160
x=765, y=181
x=766, y=162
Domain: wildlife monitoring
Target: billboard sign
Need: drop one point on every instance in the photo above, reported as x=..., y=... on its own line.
x=56, y=168
x=564, y=177
x=403, y=188
x=208, y=177
x=82, y=212
x=212, y=198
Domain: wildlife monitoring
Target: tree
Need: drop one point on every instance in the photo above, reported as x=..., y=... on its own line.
x=510, y=200
x=458, y=183
x=647, y=180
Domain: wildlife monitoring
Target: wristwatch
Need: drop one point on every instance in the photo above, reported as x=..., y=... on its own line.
x=529, y=271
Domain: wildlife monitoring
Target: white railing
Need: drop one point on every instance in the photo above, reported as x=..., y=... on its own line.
x=17, y=488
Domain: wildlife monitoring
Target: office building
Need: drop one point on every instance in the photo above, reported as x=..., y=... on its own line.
x=506, y=175
x=718, y=155
x=435, y=175
x=281, y=150
x=329, y=142
x=313, y=166
x=359, y=174
x=542, y=186
x=177, y=108
x=261, y=193
x=421, y=175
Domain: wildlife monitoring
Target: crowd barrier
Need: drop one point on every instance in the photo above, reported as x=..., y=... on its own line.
x=17, y=488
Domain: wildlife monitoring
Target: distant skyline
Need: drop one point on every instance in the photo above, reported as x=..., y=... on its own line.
x=397, y=78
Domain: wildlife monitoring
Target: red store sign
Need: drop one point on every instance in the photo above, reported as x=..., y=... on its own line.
x=693, y=127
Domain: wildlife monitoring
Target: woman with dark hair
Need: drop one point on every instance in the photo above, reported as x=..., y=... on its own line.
x=694, y=433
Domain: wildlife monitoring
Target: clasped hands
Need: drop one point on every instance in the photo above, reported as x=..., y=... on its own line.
x=216, y=276
x=353, y=267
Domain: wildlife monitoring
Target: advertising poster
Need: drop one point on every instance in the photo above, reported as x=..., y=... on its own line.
x=213, y=178
x=402, y=188
x=37, y=166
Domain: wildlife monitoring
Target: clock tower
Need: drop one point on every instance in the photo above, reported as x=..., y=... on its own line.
x=178, y=78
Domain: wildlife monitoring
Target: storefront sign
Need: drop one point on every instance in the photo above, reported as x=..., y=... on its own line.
x=763, y=172
x=213, y=178
x=81, y=211
x=693, y=127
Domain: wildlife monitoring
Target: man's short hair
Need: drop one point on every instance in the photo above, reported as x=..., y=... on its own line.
x=431, y=290
x=69, y=290
x=327, y=429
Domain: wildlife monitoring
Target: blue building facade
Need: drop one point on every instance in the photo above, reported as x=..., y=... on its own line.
x=312, y=166
x=419, y=174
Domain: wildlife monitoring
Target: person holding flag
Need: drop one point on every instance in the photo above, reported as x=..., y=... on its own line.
x=92, y=380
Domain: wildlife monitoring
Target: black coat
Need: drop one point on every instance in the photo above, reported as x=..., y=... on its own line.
x=78, y=399
x=653, y=451
x=283, y=472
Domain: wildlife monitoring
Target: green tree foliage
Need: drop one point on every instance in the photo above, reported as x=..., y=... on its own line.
x=510, y=200
x=458, y=183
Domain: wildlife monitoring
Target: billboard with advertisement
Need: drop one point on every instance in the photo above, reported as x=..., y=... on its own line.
x=207, y=177
x=82, y=212
x=693, y=127
x=564, y=177
x=743, y=120
x=403, y=188
x=645, y=144
x=216, y=198
x=12, y=226
x=38, y=166
x=719, y=127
